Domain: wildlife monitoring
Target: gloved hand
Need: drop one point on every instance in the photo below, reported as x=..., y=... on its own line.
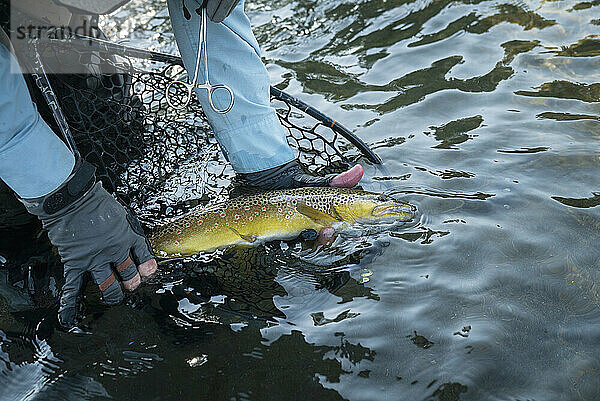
x=291, y=175
x=218, y=10
x=94, y=233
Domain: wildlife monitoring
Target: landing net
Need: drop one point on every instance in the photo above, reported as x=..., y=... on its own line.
x=147, y=152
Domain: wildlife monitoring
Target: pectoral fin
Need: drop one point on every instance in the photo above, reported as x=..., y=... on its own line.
x=248, y=238
x=316, y=215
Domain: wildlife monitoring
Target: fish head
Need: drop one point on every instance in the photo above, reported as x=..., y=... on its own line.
x=371, y=207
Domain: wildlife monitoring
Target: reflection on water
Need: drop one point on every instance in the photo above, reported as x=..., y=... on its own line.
x=487, y=115
x=455, y=132
x=566, y=90
x=580, y=202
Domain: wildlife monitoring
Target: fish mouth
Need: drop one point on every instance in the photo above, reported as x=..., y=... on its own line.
x=403, y=212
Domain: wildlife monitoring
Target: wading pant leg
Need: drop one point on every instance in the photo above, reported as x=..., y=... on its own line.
x=33, y=160
x=250, y=134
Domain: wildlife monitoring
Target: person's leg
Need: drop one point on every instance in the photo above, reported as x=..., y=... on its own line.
x=250, y=134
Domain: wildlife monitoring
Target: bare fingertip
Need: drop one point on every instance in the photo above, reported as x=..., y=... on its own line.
x=148, y=268
x=133, y=283
x=348, y=178
x=326, y=236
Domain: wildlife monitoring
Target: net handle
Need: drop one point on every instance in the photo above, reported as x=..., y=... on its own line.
x=38, y=72
x=328, y=122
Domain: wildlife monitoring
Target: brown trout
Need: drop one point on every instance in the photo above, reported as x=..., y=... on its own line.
x=271, y=215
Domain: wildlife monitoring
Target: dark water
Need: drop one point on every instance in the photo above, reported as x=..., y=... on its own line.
x=487, y=114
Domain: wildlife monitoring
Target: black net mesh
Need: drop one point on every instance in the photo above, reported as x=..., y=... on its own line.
x=146, y=151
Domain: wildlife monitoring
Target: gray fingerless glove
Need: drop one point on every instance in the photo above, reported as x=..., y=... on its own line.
x=289, y=175
x=92, y=232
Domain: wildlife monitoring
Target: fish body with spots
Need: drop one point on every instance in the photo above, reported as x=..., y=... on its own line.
x=281, y=214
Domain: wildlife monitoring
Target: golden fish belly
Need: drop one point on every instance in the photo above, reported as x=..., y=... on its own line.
x=222, y=228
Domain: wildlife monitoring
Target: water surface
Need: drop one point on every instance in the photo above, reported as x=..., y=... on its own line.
x=487, y=114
